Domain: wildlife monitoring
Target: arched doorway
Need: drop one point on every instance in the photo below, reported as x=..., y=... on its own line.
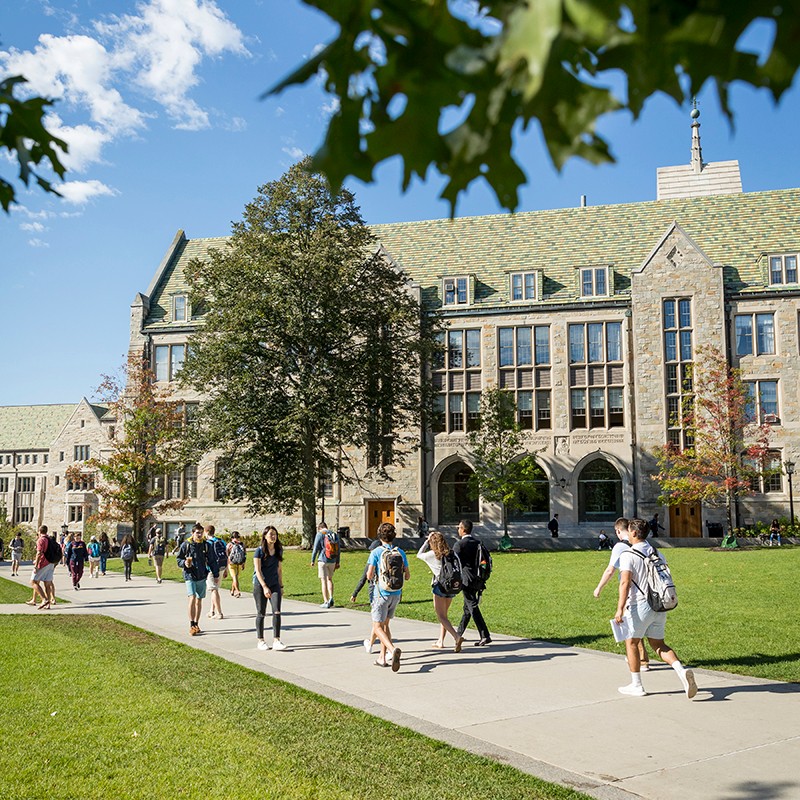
x=455, y=500
x=599, y=492
x=534, y=496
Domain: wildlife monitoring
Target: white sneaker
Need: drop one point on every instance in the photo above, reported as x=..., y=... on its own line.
x=644, y=668
x=262, y=645
x=633, y=691
x=368, y=645
x=689, y=683
x=278, y=645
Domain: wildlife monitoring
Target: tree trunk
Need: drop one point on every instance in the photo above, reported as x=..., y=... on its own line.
x=309, y=496
x=505, y=520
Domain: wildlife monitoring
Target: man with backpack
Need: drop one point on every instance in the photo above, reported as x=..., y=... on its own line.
x=237, y=556
x=639, y=592
x=196, y=561
x=388, y=567
x=475, y=568
x=48, y=554
x=219, y=556
x=326, y=547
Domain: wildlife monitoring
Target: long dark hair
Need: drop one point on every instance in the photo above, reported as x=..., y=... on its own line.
x=265, y=543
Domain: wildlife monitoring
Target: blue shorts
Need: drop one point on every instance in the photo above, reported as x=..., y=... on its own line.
x=439, y=592
x=196, y=588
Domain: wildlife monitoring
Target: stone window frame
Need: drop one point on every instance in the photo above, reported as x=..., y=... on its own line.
x=458, y=380
x=784, y=271
x=754, y=336
x=75, y=512
x=522, y=275
x=529, y=380
x=170, y=363
x=757, y=411
x=82, y=452
x=4, y=485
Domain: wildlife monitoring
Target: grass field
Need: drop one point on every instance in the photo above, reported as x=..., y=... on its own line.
x=13, y=592
x=738, y=610
x=95, y=709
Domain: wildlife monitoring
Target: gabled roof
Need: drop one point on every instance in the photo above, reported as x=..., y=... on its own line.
x=733, y=230
x=32, y=427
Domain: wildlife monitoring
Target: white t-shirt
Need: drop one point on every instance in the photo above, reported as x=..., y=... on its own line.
x=616, y=552
x=631, y=562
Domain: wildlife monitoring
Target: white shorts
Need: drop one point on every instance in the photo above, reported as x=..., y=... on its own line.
x=213, y=583
x=645, y=622
x=325, y=569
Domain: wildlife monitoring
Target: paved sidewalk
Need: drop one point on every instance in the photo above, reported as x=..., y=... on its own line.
x=549, y=710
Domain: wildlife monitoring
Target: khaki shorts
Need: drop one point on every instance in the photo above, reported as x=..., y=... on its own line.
x=235, y=569
x=325, y=569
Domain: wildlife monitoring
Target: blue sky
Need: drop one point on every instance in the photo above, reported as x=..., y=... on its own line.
x=159, y=102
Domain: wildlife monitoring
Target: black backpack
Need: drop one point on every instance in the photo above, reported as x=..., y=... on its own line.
x=53, y=552
x=449, y=579
x=483, y=565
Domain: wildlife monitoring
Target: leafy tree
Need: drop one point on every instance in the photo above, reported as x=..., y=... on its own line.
x=144, y=448
x=505, y=472
x=402, y=72
x=310, y=351
x=729, y=449
x=22, y=131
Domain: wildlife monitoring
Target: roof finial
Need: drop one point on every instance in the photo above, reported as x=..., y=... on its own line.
x=697, y=152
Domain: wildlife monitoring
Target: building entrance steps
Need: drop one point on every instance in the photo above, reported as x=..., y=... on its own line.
x=547, y=709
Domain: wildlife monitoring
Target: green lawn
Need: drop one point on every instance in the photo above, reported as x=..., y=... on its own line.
x=95, y=709
x=738, y=609
x=13, y=592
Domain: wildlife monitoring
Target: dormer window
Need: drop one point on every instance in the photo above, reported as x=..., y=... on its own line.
x=783, y=269
x=180, y=308
x=593, y=281
x=455, y=291
x=523, y=286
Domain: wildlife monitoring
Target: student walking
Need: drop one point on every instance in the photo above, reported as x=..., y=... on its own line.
x=196, y=561
x=48, y=554
x=128, y=555
x=268, y=586
x=105, y=551
x=326, y=546
x=622, y=546
x=642, y=621
x=468, y=548
x=94, y=557
x=362, y=581
x=217, y=551
x=157, y=552
x=436, y=553
x=237, y=556
x=76, y=555
x=16, y=545
x=388, y=567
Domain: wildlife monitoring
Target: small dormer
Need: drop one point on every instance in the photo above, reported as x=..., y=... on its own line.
x=457, y=290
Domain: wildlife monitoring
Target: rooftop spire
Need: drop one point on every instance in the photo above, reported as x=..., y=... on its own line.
x=697, y=152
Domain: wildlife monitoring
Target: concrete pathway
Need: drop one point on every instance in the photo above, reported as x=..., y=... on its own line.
x=549, y=710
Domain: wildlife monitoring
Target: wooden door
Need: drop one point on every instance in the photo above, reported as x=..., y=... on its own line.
x=378, y=512
x=685, y=521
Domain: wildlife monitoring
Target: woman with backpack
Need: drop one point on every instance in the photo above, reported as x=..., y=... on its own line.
x=268, y=586
x=156, y=553
x=94, y=557
x=105, y=551
x=237, y=555
x=128, y=555
x=445, y=584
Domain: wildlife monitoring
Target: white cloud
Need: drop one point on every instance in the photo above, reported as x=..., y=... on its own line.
x=164, y=44
x=85, y=143
x=32, y=227
x=331, y=107
x=279, y=111
x=293, y=152
x=37, y=243
x=237, y=124
x=80, y=192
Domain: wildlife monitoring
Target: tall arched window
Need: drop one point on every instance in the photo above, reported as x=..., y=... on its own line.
x=534, y=495
x=599, y=492
x=455, y=502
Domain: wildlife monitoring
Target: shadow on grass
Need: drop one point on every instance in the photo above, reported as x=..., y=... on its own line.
x=584, y=640
x=753, y=660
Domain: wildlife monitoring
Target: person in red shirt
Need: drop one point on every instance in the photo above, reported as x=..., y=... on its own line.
x=42, y=578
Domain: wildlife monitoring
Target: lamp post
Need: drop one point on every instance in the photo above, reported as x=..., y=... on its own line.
x=789, y=467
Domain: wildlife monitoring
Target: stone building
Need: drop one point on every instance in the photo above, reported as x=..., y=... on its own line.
x=591, y=316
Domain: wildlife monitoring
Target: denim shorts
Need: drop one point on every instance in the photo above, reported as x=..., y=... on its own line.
x=196, y=588
x=383, y=606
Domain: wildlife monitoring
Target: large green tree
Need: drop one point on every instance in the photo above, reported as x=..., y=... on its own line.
x=22, y=132
x=144, y=449
x=446, y=84
x=729, y=446
x=310, y=352
x=505, y=471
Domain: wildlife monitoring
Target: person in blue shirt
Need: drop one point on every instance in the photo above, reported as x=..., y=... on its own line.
x=196, y=561
x=326, y=547
x=388, y=566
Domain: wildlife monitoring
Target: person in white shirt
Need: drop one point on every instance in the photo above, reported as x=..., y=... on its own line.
x=641, y=619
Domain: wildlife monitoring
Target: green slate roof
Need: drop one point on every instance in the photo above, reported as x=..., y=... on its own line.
x=735, y=230
x=32, y=427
